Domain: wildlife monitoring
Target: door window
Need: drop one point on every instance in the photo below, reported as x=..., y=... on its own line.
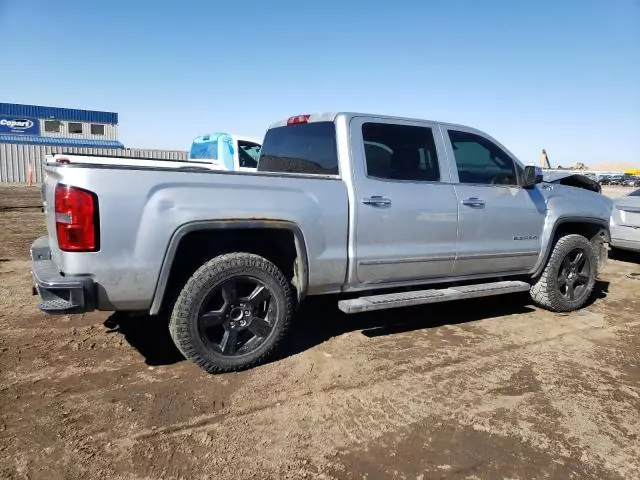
x=248, y=153
x=480, y=161
x=400, y=152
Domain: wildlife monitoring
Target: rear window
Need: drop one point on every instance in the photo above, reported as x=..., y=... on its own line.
x=205, y=149
x=300, y=148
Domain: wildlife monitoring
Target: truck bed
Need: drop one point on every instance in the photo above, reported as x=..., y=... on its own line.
x=124, y=161
x=141, y=209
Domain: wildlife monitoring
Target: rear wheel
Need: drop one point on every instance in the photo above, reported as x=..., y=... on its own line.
x=232, y=312
x=569, y=276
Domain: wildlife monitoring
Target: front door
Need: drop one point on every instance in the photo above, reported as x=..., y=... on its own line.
x=500, y=223
x=405, y=206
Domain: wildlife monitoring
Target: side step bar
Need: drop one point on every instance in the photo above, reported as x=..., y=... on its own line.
x=422, y=297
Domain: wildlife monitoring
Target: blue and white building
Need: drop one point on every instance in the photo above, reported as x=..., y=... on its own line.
x=54, y=126
x=28, y=133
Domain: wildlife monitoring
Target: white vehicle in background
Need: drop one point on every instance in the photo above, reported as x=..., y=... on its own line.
x=227, y=152
x=218, y=151
x=625, y=222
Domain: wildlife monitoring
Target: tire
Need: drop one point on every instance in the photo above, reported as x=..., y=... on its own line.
x=225, y=298
x=601, y=250
x=551, y=289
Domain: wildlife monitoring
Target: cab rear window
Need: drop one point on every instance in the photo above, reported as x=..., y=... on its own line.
x=308, y=148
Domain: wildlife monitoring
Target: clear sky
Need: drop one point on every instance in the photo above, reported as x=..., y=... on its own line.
x=561, y=75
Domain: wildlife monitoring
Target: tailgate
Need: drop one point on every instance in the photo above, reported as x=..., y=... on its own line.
x=52, y=177
x=627, y=214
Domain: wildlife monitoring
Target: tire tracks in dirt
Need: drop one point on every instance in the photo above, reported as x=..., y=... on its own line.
x=394, y=401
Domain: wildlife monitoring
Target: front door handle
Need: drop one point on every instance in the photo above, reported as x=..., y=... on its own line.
x=377, y=201
x=473, y=202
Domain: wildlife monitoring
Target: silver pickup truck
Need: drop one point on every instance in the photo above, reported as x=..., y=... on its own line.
x=387, y=212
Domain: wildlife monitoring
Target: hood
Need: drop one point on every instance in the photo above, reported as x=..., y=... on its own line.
x=571, y=179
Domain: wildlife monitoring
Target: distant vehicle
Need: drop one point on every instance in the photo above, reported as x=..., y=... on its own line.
x=604, y=179
x=232, y=153
x=616, y=179
x=380, y=208
x=625, y=222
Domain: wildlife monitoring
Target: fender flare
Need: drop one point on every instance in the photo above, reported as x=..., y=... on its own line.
x=302, y=263
x=546, y=251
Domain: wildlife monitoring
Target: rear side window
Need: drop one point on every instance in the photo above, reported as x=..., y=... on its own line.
x=300, y=148
x=400, y=152
x=635, y=193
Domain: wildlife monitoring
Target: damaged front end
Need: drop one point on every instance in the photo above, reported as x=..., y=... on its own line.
x=572, y=179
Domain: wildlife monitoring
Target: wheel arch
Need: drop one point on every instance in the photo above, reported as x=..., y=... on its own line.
x=587, y=227
x=226, y=228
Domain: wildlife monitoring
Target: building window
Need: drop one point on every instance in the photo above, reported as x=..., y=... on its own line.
x=75, y=127
x=52, y=126
x=97, y=129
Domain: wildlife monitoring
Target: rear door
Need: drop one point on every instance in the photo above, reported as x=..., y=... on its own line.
x=500, y=223
x=405, y=206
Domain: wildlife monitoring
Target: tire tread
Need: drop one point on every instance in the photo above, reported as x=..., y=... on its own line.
x=543, y=291
x=179, y=325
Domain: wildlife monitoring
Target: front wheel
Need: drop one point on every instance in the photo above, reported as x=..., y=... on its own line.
x=569, y=276
x=232, y=313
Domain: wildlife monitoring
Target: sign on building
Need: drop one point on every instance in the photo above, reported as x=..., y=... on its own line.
x=19, y=125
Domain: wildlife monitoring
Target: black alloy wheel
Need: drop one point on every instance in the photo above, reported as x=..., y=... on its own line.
x=574, y=275
x=236, y=317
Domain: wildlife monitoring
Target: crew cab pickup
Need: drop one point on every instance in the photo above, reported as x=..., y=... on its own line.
x=386, y=212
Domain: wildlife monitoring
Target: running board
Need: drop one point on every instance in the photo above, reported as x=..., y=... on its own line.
x=422, y=297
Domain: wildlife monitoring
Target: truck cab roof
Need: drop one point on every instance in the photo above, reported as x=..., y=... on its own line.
x=333, y=116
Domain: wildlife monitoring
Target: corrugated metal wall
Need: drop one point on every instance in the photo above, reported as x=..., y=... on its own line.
x=15, y=158
x=68, y=114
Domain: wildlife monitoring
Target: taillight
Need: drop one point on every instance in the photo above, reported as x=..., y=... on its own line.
x=76, y=219
x=298, y=119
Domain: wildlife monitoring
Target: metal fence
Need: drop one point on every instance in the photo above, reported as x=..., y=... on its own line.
x=15, y=158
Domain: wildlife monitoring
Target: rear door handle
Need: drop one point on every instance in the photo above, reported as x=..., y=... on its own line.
x=377, y=201
x=473, y=202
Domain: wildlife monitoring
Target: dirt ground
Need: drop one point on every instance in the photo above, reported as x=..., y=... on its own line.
x=484, y=389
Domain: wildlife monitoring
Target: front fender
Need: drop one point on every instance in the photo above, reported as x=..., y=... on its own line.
x=549, y=236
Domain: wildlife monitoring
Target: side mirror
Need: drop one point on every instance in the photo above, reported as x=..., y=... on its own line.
x=532, y=175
